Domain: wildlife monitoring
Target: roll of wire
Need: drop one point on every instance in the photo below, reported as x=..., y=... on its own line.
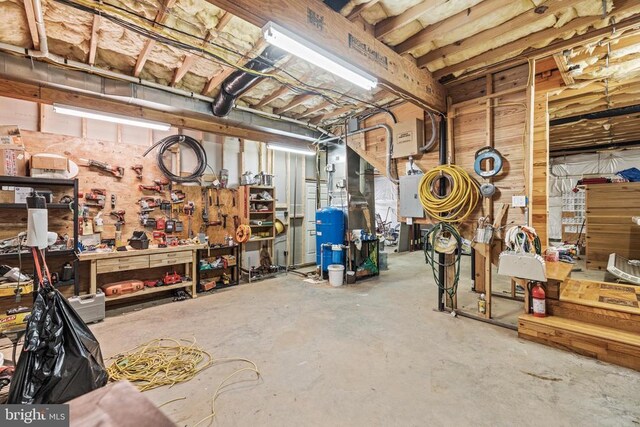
x=243, y=233
x=166, y=143
x=458, y=203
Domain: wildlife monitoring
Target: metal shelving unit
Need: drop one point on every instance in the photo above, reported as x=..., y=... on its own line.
x=46, y=184
x=215, y=252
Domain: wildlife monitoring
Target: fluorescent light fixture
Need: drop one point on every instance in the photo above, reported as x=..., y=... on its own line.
x=291, y=150
x=296, y=45
x=108, y=117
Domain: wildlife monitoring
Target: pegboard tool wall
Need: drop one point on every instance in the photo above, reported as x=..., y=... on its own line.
x=125, y=153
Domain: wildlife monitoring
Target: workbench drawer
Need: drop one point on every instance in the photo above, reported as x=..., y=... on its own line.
x=122, y=264
x=170, y=258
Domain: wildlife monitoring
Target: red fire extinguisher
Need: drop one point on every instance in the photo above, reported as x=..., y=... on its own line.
x=539, y=305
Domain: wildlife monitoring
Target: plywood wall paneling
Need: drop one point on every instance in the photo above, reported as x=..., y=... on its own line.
x=125, y=154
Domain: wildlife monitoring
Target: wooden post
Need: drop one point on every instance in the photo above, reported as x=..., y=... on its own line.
x=40, y=117
x=487, y=203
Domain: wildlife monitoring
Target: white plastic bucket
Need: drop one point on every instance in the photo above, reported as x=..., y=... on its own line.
x=336, y=274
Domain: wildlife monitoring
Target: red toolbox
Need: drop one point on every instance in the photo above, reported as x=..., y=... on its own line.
x=124, y=287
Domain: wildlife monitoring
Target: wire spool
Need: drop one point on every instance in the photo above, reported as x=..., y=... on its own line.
x=484, y=154
x=165, y=144
x=243, y=233
x=460, y=200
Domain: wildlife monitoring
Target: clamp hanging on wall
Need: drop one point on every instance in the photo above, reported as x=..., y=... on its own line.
x=484, y=154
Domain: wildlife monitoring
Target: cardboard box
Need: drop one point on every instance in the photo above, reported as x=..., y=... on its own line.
x=13, y=160
x=408, y=137
x=10, y=135
x=39, y=161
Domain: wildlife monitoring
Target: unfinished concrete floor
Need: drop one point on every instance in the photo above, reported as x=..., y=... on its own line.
x=371, y=354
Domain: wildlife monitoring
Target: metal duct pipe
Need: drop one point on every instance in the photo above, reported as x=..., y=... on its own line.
x=387, y=128
x=283, y=118
x=20, y=68
x=239, y=81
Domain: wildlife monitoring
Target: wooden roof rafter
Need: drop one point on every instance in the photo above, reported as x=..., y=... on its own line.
x=93, y=43
x=357, y=10
x=450, y=24
x=189, y=59
x=521, y=46
x=31, y=21
x=217, y=80
x=161, y=15
x=479, y=39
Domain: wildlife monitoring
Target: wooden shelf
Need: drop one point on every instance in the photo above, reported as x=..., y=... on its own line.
x=260, y=239
x=148, y=291
x=260, y=226
x=261, y=201
x=262, y=187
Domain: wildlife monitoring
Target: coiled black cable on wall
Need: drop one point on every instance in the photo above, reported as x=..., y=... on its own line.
x=168, y=142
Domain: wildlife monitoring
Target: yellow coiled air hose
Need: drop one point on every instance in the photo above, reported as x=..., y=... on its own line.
x=461, y=200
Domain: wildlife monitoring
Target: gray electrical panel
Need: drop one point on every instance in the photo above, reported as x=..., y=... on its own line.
x=410, y=206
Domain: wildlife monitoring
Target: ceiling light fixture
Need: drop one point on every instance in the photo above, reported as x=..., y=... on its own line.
x=108, y=117
x=303, y=49
x=291, y=150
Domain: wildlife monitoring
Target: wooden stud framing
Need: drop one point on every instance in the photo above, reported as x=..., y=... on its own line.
x=41, y=122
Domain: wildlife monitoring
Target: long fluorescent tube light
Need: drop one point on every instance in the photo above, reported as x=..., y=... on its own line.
x=108, y=117
x=296, y=45
x=291, y=150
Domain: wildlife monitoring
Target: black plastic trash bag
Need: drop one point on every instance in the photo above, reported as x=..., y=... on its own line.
x=61, y=358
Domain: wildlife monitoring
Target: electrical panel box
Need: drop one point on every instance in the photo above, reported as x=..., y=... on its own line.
x=408, y=137
x=410, y=206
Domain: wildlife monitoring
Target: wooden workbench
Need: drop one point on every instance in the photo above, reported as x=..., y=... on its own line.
x=139, y=259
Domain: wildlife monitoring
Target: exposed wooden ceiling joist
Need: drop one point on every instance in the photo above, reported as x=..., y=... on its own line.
x=456, y=21
x=296, y=101
x=31, y=20
x=93, y=44
x=520, y=46
x=564, y=68
x=357, y=10
x=189, y=59
x=392, y=23
x=378, y=97
x=479, y=39
x=345, y=39
x=217, y=80
x=150, y=44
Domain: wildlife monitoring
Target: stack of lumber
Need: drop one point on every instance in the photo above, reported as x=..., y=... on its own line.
x=596, y=319
x=609, y=226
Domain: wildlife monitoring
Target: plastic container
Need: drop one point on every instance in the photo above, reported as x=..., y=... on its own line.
x=336, y=275
x=90, y=308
